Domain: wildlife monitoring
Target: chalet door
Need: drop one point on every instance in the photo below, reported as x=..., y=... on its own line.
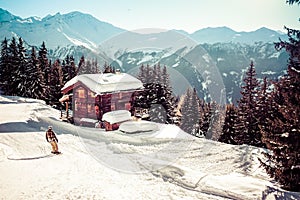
x=106, y=103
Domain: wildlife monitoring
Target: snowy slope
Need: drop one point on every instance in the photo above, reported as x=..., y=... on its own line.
x=74, y=28
x=112, y=165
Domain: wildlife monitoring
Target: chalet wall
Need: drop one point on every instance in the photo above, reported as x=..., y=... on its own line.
x=114, y=101
x=87, y=105
x=84, y=103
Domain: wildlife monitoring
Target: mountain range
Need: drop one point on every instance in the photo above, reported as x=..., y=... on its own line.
x=208, y=59
x=81, y=29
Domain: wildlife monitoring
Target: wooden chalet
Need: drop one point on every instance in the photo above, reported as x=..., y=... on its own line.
x=92, y=95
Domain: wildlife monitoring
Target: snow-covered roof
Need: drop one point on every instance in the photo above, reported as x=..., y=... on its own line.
x=105, y=83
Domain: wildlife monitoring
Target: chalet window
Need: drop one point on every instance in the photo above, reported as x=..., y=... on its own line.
x=90, y=108
x=98, y=99
x=77, y=105
x=113, y=106
x=91, y=94
x=81, y=93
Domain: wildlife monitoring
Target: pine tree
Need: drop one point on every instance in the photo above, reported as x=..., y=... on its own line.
x=55, y=84
x=44, y=62
x=108, y=68
x=45, y=67
x=81, y=66
x=89, y=67
x=186, y=123
x=22, y=76
x=142, y=74
x=156, y=74
x=165, y=79
x=264, y=103
x=248, y=126
x=205, y=114
x=148, y=74
x=65, y=69
x=156, y=96
x=13, y=65
x=4, y=68
x=72, y=70
x=95, y=66
x=229, y=132
x=282, y=135
x=217, y=122
x=36, y=82
x=190, y=113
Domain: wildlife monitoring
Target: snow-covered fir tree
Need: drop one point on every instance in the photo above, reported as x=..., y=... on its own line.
x=87, y=66
x=204, y=116
x=248, y=126
x=55, y=84
x=228, y=131
x=36, y=82
x=217, y=122
x=190, y=113
x=282, y=132
x=265, y=103
x=22, y=76
x=13, y=63
x=108, y=68
x=81, y=66
x=4, y=68
x=68, y=69
x=44, y=62
x=157, y=96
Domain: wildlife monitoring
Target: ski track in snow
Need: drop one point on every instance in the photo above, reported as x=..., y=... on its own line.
x=94, y=162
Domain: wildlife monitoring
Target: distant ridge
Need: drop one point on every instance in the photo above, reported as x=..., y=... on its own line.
x=74, y=28
x=79, y=29
x=225, y=34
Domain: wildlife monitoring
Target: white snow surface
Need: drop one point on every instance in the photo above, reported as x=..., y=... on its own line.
x=138, y=127
x=163, y=164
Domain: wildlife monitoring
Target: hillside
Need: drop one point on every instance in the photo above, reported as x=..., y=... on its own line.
x=112, y=165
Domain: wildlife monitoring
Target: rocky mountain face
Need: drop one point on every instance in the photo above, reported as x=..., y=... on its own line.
x=214, y=68
x=213, y=60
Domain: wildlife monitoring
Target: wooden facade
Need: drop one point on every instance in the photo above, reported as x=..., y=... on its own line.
x=83, y=103
x=113, y=101
x=88, y=106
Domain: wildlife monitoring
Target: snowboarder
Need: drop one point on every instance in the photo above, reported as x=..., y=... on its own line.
x=52, y=139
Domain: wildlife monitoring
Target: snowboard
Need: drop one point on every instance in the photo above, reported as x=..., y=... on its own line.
x=56, y=153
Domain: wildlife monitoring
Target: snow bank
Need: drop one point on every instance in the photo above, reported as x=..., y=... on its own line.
x=117, y=116
x=172, y=131
x=19, y=109
x=138, y=127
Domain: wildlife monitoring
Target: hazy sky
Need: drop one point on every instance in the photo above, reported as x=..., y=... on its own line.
x=188, y=15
